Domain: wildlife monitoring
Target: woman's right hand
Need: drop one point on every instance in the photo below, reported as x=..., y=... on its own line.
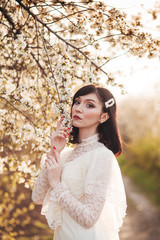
x=59, y=137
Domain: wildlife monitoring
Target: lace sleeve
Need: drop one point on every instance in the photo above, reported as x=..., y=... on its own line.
x=40, y=187
x=86, y=213
x=103, y=194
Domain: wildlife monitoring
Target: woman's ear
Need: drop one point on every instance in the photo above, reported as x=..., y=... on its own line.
x=104, y=117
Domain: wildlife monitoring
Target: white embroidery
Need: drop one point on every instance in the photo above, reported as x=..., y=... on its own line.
x=101, y=189
x=87, y=212
x=40, y=187
x=86, y=145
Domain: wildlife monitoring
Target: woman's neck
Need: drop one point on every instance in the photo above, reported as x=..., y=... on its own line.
x=84, y=133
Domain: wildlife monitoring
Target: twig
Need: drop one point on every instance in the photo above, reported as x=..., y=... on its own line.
x=96, y=40
x=54, y=48
x=67, y=43
x=114, y=58
x=5, y=14
x=49, y=11
x=56, y=85
x=69, y=15
x=22, y=113
x=63, y=15
x=19, y=111
x=39, y=65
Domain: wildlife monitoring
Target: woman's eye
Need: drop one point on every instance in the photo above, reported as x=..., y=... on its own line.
x=76, y=102
x=90, y=105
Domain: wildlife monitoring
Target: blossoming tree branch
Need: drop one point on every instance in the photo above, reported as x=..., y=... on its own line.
x=48, y=48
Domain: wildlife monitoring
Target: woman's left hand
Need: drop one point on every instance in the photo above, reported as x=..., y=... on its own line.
x=54, y=169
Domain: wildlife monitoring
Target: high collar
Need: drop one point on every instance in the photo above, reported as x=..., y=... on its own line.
x=89, y=140
x=85, y=145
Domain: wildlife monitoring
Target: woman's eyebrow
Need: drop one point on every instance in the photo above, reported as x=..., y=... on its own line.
x=90, y=100
x=86, y=99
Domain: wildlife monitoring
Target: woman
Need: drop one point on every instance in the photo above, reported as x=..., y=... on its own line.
x=81, y=189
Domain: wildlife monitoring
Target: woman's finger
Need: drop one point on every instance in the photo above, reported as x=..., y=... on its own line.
x=57, y=156
x=60, y=122
x=54, y=161
x=50, y=157
x=48, y=161
x=51, y=160
x=63, y=133
x=65, y=128
x=51, y=165
x=48, y=165
x=58, y=127
x=59, y=134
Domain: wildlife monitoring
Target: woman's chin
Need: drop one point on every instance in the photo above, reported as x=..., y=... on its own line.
x=75, y=123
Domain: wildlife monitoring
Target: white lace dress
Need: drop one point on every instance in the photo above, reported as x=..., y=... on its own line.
x=90, y=202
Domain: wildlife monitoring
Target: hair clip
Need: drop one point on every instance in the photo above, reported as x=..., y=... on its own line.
x=109, y=103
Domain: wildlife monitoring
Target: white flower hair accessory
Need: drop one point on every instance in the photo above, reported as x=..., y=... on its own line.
x=109, y=103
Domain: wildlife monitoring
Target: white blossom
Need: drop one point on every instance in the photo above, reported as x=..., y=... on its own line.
x=3, y=111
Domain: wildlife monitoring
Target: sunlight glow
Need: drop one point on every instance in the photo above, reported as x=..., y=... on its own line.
x=140, y=76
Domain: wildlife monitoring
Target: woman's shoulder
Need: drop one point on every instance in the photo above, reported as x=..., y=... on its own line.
x=105, y=155
x=100, y=154
x=103, y=150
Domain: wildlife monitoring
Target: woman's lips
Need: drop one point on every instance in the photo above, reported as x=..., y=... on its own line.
x=76, y=117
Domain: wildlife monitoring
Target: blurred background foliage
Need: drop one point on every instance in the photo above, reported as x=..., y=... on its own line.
x=139, y=122
x=80, y=38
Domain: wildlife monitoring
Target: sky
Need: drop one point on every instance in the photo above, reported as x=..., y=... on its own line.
x=140, y=76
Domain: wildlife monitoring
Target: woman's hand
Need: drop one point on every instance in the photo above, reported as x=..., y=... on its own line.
x=59, y=138
x=54, y=169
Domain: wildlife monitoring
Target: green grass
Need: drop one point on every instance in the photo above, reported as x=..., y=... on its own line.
x=147, y=181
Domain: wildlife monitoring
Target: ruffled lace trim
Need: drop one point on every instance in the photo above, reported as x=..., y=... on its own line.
x=85, y=146
x=97, y=189
x=53, y=215
x=118, y=200
x=52, y=210
x=114, y=197
x=41, y=186
x=97, y=193
x=87, y=212
x=89, y=140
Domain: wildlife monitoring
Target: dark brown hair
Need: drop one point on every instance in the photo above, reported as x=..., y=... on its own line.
x=108, y=131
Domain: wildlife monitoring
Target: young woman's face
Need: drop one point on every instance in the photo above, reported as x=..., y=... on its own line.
x=87, y=111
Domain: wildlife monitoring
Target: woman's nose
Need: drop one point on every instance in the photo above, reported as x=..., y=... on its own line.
x=79, y=108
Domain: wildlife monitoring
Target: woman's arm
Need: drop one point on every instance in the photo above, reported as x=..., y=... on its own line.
x=40, y=187
x=58, y=141
x=103, y=183
x=87, y=213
